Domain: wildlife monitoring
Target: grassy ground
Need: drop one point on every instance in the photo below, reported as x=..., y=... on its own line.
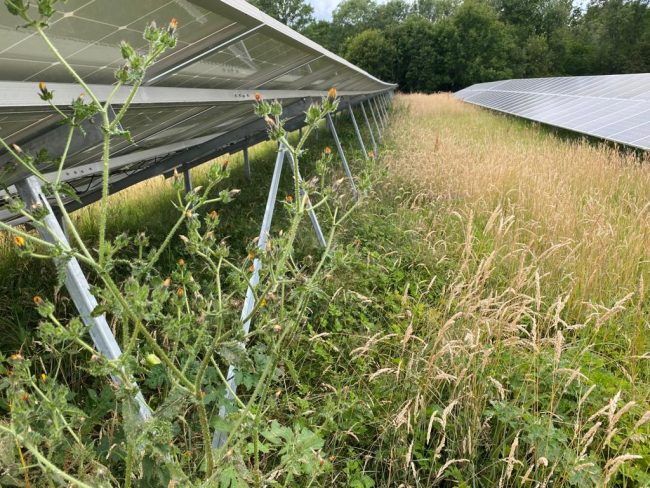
x=483, y=322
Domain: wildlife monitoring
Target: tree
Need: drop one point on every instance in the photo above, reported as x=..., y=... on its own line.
x=487, y=50
x=434, y=10
x=355, y=14
x=371, y=51
x=297, y=14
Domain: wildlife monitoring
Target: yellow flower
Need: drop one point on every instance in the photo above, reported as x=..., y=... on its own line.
x=258, y=97
x=43, y=376
x=180, y=292
x=213, y=215
x=332, y=93
x=38, y=300
x=289, y=199
x=328, y=151
x=19, y=241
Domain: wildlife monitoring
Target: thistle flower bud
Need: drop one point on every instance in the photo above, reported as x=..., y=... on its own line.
x=38, y=300
x=17, y=149
x=181, y=262
x=167, y=282
x=19, y=241
x=213, y=215
x=332, y=94
x=328, y=151
x=258, y=97
x=173, y=25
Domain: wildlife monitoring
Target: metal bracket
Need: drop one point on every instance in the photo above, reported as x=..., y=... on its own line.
x=102, y=336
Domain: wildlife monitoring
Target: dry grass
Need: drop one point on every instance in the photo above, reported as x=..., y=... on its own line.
x=587, y=207
x=532, y=369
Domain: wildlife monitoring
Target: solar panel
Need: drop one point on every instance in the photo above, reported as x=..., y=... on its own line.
x=613, y=107
x=199, y=93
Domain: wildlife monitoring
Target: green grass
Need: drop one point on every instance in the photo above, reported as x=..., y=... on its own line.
x=438, y=349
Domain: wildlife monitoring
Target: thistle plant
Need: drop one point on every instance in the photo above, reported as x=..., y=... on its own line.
x=178, y=329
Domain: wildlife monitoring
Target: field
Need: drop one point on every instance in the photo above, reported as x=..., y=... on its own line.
x=482, y=319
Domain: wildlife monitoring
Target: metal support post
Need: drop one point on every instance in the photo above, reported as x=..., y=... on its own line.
x=374, y=118
x=310, y=209
x=344, y=160
x=75, y=281
x=372, y=136
x=220, y=437
x=358, y=132
x=187, y=179
x=380, y=115
x=247, y=164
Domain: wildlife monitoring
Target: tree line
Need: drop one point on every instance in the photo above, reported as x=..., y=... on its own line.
x=442, y=45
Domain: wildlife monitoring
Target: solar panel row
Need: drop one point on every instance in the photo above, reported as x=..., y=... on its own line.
x=613, y=107
x=200, y=91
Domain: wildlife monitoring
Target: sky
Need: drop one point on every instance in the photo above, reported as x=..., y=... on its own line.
x=323, y=8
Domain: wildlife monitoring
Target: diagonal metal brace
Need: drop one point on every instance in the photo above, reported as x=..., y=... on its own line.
x=344, y=160
x=310, y=209
x=358, y=132
x=220, y=437
x=102, y=336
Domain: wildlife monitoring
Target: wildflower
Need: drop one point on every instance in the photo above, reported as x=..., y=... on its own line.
x=269, y=121
x=173, y=25
x=181, y=262
x=180, y=292
x=38, y=300
x=189, y=214
x=16, y=357
x=263, y=302
x=44, y=94
x=289, y=199
x=328, y=151
x=371, y=154
x=17, y=149
x=251, y=255
x=167, y=282
x=258, y=97
x=213, y=215
x=43, y=376
x=277, y=328
x=19, y=241
x=332, y=94
x=24, y=396
x=251, y=268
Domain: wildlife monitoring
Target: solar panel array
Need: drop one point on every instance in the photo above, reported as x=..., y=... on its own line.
x=197, y=97
x=614, y=107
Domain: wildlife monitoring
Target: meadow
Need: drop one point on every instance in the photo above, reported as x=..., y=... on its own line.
x=482, y=319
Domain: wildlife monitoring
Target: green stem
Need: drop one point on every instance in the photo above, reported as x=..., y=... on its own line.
x=62, y=60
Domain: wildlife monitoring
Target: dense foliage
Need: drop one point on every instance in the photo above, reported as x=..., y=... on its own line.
x=434, y=45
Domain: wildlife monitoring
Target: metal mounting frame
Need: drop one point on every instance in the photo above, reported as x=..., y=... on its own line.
x=31, y=193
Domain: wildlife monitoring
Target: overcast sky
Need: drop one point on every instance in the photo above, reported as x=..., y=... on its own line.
x=324, y=8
